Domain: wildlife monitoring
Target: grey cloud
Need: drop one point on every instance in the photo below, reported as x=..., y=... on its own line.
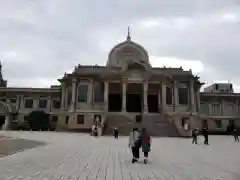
x=51, y=37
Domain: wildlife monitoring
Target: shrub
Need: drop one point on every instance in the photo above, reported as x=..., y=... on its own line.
x=38, y=120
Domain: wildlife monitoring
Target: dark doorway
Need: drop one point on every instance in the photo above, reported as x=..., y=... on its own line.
x=114, y=102
x=2, y=121
x=134, y=103
x=152, y=103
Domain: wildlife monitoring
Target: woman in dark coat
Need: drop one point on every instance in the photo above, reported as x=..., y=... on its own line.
x=146, y=144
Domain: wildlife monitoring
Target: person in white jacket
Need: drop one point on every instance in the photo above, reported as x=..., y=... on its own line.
x=135, y=144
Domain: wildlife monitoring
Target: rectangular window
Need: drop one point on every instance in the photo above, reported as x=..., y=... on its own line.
x=98, y=92
x=25, y=119
x=168, y=96
x=80, y=119
x=82, y=92
x=218, y=123
x=54, y=119
x=66, y=120
x=183, y=96
x=42, y=103
x=28, y=103
x=216, y=109
x=56, y=104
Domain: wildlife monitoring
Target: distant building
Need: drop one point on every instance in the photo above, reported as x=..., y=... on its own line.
x=127, y=92
x=220, y=88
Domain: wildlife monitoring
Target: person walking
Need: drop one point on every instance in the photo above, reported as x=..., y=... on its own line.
x=146, y=144
x=135, y=144
x=95, y=131
x=194, y=136
x=235, y=135
x=115, y=133
x=205, y=134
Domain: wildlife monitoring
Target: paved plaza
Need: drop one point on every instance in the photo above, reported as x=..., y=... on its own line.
x=79, y=156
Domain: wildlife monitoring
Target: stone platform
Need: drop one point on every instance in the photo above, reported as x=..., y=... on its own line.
x=72, y=156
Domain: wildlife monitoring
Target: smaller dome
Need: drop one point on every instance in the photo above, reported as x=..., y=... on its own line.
x=127, y=51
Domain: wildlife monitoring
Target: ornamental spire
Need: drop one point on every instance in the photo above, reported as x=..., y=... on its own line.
x=128, y=36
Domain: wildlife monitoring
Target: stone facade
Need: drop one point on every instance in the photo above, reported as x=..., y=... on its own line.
x=115, y=94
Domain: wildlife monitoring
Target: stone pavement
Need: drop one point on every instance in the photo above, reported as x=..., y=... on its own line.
x=9, y=146
x=72, y=156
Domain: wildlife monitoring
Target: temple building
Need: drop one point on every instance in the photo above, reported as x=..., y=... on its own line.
x=128, y=92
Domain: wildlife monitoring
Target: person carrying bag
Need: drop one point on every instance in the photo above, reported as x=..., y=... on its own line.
x=135, y=142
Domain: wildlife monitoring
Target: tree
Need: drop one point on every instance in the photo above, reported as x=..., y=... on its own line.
x=38, y=120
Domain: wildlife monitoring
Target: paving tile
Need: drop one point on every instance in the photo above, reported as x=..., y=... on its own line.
x=73, y=156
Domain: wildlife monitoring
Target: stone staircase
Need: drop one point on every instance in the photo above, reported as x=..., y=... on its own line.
x=159, y=125
x=122, y=122
x=156, y=125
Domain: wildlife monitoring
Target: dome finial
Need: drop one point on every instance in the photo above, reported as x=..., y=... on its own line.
x=128, y=36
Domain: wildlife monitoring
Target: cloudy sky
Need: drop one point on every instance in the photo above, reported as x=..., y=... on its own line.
x=42, y=39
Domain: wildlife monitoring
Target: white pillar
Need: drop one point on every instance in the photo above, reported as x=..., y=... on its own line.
x=175, y=89
x=210, y=109
x=106, y=85
x=49, y=104
x=198, y=101
x=145, y=94
x=163, y=90
x=18, y=102
x=159, y=99
x=35, y=103
x=22, y=105
x=63, y=90
x=7, y=122
x=74, y=88
x=90, y=92
x=222, y=108
x=236, y=109
x=192, y=92
x=124, y=91
x=66, y=98
x=8, y=117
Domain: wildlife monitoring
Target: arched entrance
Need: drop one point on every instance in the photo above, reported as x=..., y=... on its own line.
x=5, y=118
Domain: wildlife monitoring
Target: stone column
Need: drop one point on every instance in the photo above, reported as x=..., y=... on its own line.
x=198, y=101
x=22, y=104
x=66, y=98
x=49, y=103
x=236, y=109
x=222, y=108
x=63, y=95
x=192, y=92
x=106, y=94
x=35, y=103
x=90, y=92
x=18, y=102
x=145, y=95
x=124, y=91
x=74, y=88
x=163, y=91
x=175, y=89
x=209, y=108
x=159, y=99
x=8, y=116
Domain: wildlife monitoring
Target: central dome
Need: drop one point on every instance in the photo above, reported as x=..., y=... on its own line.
x=125, y=52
